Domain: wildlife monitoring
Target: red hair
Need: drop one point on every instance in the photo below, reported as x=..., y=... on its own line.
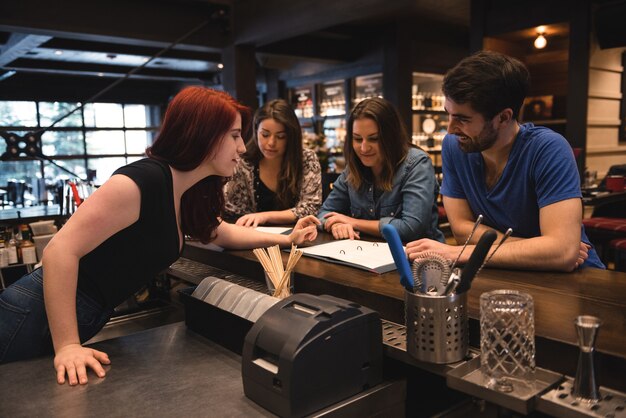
x=195, y=122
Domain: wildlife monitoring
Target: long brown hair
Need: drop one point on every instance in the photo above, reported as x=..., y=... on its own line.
x=392, y=137
x=290, y=179
x=195, y=122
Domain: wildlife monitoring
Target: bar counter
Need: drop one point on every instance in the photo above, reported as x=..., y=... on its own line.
x=559, y=298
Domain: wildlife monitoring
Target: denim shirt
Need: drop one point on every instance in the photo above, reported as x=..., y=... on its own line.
x=410, y=206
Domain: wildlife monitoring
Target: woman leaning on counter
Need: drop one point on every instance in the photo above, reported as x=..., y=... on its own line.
x=277, y=181
x=387, y=180
x=128, y=231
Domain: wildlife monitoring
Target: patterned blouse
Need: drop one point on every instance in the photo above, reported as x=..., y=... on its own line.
x=241, y=196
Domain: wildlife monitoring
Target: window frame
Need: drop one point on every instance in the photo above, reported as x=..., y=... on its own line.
x=152, y=126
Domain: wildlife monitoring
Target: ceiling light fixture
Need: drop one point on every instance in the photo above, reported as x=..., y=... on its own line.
x=58, y=52
x=540, y=41
x=220, y=65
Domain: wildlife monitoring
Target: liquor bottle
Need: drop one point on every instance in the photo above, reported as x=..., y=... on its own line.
x=4, y=254
x=419, y=101
x=11, y=246
x=26, y=249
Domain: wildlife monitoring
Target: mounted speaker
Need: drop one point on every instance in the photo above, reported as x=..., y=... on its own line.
x=609, y=25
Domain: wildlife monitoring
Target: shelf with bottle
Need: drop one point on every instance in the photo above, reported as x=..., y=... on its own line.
x=17, y=246
x=429, y=143
x=430, y=120
x=427, y=102
x=426, y=93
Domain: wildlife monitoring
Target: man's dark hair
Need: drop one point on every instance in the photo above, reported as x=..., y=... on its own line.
x=489, y=81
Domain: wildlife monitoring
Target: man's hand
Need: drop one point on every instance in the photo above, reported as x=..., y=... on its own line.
x=450, y=252
x=305, y=230
x=252, y=220
x=583, y=254
x=73, y=360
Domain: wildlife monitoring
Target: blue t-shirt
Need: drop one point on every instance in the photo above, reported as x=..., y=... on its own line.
x=541, y=170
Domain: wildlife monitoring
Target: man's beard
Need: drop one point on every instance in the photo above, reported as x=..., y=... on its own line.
x=485, y=139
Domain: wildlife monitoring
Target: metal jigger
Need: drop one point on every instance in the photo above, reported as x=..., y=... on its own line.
x=585, y=385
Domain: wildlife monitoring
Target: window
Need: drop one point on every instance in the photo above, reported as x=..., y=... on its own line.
x=100, y=137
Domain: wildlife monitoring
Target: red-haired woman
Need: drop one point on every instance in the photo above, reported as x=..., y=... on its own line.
x=129, y=230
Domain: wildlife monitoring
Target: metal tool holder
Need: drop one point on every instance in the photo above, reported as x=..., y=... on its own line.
x=552, y=393
x=437, y=328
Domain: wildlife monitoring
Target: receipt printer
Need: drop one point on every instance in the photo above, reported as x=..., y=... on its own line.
x=308, y=352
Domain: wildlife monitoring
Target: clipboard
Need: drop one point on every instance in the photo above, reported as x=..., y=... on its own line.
x=366, y=255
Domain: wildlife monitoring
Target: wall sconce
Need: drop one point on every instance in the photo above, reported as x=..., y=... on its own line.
x=540, y=41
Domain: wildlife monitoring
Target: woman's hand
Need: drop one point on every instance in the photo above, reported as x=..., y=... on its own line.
x=415, y=248
x=73, y=360
x=333, y=218
x=305, y=230
x=252, y=220
x=343, y=231
x=341, y=226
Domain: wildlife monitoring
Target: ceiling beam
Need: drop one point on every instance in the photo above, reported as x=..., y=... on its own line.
x=263, y=22
x=57, y=87
x=315, y=49
x=111, y=48
x=18, y=45
x=137, y=22
x=100, y=70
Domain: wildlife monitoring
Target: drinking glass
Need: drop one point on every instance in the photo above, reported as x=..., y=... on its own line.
x=507, y=340
x=286, y=291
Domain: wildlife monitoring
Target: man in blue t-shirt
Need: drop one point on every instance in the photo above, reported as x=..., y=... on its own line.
x=522, y=177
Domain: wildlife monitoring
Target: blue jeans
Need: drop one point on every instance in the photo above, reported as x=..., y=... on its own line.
x=24, y=330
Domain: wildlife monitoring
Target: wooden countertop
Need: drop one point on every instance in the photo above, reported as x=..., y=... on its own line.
x=559, y=297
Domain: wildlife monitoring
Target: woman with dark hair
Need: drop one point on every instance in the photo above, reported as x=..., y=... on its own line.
x=276, y=181
x=128, y=231
x=386, y=181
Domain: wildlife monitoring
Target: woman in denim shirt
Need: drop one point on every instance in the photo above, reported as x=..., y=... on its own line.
x=387, y=180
